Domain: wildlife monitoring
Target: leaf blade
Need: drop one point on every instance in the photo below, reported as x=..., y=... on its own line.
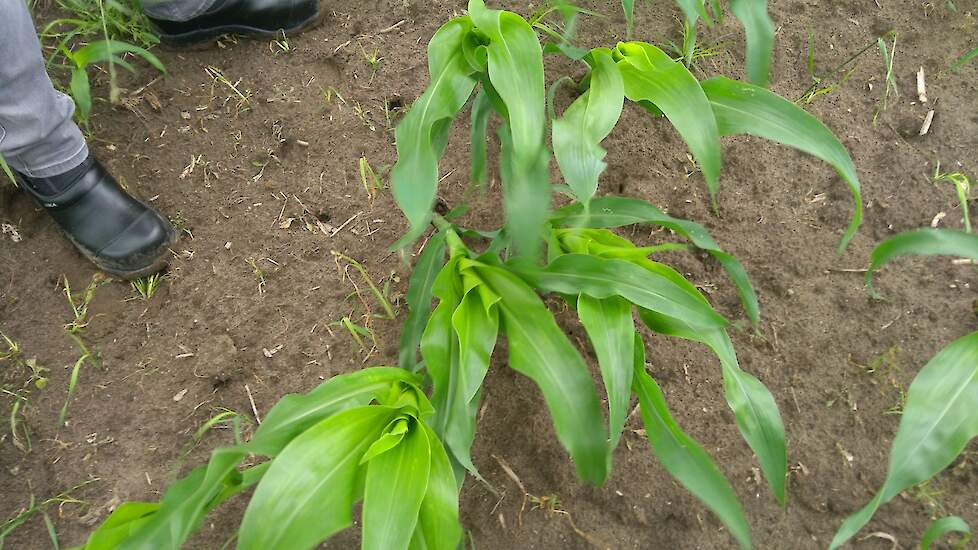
x=921, y=242
x=610, y=327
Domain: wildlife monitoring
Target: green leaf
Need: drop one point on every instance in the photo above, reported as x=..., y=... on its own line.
x=81, y=92
x=573, y=274
x=516, y=72
x=481, y=109
x=651, y=75
x=391, y=437
x=120, y=524
x=755, y=410
x=921, y=242
x=611, y=329
x=438, y=527
x=422, y=134
x=966, y=57
x=613, y=211
x=628, y=6
x=747, y=109
x=693, y=10
x=102, y=50
x=396, y=485
x=682, y=457
x=541, y=351
x=429, y=263
x=577, y=135
x=943, y=526
x=938, y=421
x=294, y=414
x=308, y=492
x=759, y=30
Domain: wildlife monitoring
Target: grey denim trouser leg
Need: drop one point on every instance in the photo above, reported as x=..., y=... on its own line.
x=37, y=136
x=177, y=10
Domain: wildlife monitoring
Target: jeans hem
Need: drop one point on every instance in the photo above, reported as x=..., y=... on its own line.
x=59, y=167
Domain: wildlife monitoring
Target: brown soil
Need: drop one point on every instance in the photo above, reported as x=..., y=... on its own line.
x=198, y=346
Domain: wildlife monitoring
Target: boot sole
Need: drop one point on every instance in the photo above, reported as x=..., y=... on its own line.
x=202, y=39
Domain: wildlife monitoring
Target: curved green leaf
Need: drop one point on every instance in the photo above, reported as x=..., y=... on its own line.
x=608, y=212
x=759, y=30
x=573, y=274
x=102, y=50
x=422, y=134
x=610, y=328
x=747, y=109
x=396, y=484
x=578, y=133
x=943, y=526
x=295, y=413
x=938, y=421
x=682, y=457
x=121, y=523
x=429, y=263
x=438, y=527
x=651, y=75
x=755, y=410
x=516, y=72
x=921, y=242
x=541, y=351
x=308, y=492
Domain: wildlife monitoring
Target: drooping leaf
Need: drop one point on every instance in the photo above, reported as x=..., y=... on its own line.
x=759, y=30
x=682, y=457
x=573, y=274
x=438, y=527
x=610, y=328
x=578, y=133
x=440, y=347
x=479, y=148
x=422, y=134
x=81, y=92
x=742, y=108
x=921, y=242
x=651, y=75
x=120, y=524
x=938, y=421
x=943, y=526
x=429, y=263
x=102, y=50
x=308, y=493
x=396, y=484
x=541, y=351
x=516, y=72
x=611, y=211
x=755, y=410
x=293, y=414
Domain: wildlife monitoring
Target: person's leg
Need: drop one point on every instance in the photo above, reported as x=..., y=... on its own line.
x=37, y=136
x=179, y=10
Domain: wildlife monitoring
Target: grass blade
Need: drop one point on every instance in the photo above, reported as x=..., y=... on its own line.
x=759, y=30
x=608, y=212
x=574, y=274
x=577, y=135
x=319, y=467
x=747, y=109
x=968, y=56
x=419, y=297
x=516, y=72
x=422, y=134
x=755, y=410
x=628, y=6
x=541, y=351
x=396, y=484
x=438, y=526
x=921, y=242
x=943, y=526
x=938, y=421
x=610, y=328
x=651, y=75
x=682, y=457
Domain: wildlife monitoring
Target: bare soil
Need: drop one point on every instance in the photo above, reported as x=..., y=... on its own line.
x=234, y=173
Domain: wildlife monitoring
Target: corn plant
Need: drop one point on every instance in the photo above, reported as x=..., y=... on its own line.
x=100, y=52
x=498, y=52
x=940, y=417
x=360, y=436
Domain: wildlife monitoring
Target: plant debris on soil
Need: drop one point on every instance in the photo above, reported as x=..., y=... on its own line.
x=272, y=162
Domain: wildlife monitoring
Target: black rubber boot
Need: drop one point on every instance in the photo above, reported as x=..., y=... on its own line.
x=248, y=17
x=120, y=234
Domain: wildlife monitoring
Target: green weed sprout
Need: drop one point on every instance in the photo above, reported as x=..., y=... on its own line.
x=963, y=187
x=147, y=286
x=940, y=417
